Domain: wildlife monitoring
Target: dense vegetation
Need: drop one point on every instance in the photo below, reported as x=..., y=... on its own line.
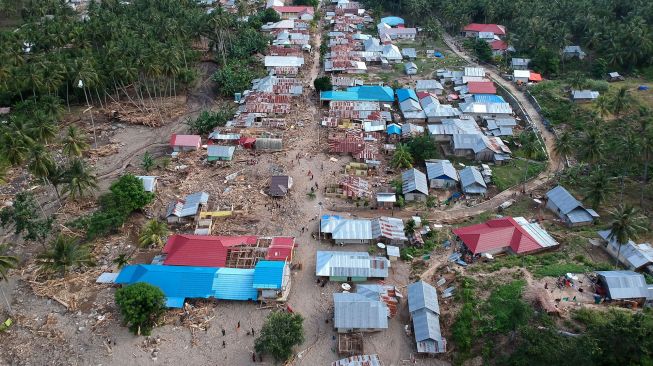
x=141, y=305
x=280, y=333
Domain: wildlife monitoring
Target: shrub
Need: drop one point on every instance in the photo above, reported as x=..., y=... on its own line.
x=323, y=83
x=208, y=120
x=280, y=333
x=141, y=305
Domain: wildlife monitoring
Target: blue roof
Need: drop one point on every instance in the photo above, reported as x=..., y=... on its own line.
x=392, y=21
x=269, y=274
x=403, y=94
x=176, y=282
x=361, y=93
x=393, y=129
x=234, y=284
x=488, y=98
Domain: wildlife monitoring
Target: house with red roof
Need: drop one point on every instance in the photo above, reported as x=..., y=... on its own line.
x=499, y=47
x=507, y=234
x=185, y=142
x=475, y=30
x=226, y=251
x=295, y=12
x=481, y=87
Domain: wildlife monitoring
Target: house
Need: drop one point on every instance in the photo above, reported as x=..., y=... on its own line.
x=393, y=129
x=573, y=51
x=179, y=283
x=280, y=185
x=429, y=86
x=445, y=131
x=185, y=142
x=392, y=252
x=488, y=108
x=441, y=174
x=409, y=53
x=410, y=68
x=391, y=53
x=500, y=47
x=425, y=313
x=397, y=34
x=271, y=279
x=521, y=76
x=393, y=21
x=385, y=200
x=520, y=63
x=283, y=61
x=350, y=266
x=347, y=231
x=471, y=181
x=506, y=234
x=568, y=208
x=281, y=248
x=354, y=312
x=183, y=211
x=410, y=130
x=500, y=126
x=474, y=30
x=480, y=147
x=584, y=96
x=414, y=185
x=370, y=93
x=268, y=144
x=221, y=153
x=295, y=12
x=359, y=360
x=636, y=257
x=149, y=182
x=481, y=87
x=614, y=76
x=625, y=285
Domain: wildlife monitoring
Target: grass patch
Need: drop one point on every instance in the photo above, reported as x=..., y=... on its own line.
x=513, y=173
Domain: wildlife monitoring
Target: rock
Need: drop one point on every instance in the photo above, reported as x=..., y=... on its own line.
x=80, y=329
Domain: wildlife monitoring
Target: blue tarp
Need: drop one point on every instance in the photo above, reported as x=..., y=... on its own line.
x=392, y=21
x=403, y=94
x=642, y=87
x=360, y=93
x=439, y=55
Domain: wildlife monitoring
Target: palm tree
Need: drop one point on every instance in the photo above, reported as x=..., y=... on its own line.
x=122, y=260
x=153, y=233
x=409, y=228
x=74, y=142
x=592, y=146
x=148, y=162
x=564, y=145
x=602, y=106
x=79, y=179
x=7, y=262
x=646, y=134
x=40, y=162
x=626, y=224
x=620, y=101
x=41, y=128
x=65, y=253
x=402, y=157
x=599, y=188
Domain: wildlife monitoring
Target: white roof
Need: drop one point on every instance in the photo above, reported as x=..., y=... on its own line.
x=522, y=74
x=392, y=251
x=474, y=71
x=276, y=61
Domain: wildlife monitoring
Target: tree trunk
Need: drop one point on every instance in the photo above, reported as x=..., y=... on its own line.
x=616, y=263
x=644, y=178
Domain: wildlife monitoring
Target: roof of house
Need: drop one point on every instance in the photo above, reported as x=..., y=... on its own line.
x=535, y=77
x=360, y=360
x=521, y=74
x=392, y=21
x=427, y=328
x=494, y=28
x=347, y=229
x=391, y=52
x=149, y=182
x=625, y=284
x=570, y=206
x=481, y=87
x=188, y=206
x=406, y=93
x=635, y=255
x=393, y=128
x=499, y=45
x=506, y=232
x=428, y=85
x=294, y=9
x=201, y=250
x=409, y=52
x=386, y=197
x=474, y=71
x=573, y=49
x=520, y=61
x=391, y=228
x=350, y=264
x=414, y=181
x=392, y=251
x=442, y=169
x=279, y=185
x=355, y=311
x=281, y=248
x=185, y=140
x=410, y=66
x=220, y=151
x=269, y=274
x=485, y=108
x=234, y=284
x=470, y=176
x=361, y=93
x=585, y=94
x=488, y=98
x=422, y=295
x=278, y=61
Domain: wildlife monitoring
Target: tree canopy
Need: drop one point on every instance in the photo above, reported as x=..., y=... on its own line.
x=141, y=305
x=280, y=333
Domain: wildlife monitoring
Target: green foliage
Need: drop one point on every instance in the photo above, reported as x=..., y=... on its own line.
x=7, y=262
x=431, y=201
x=280, y=333
x=234, y=77
x=207, y=121
x=121, y=260
x=546, y=61
x=409, y=228
x=505, y=310
x=422, y=148
x=600, y=68
x=323, y=83
x=481, y=48
x=153, y=234
x=64, y=254
x=312, y=3
x=24, y=217
x=147, y=162
x=462, y=331
x=401, y=201
x=79, y=179
x=141, y=306
x=74, y=142
x=270, y=15
x=402, y=158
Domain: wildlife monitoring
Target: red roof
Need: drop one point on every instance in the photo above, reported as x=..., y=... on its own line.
x=185, y=140
x=294, y=9
x=494, y=28
x=422, y=94
x=202, y=250
x=499, y=45
x=535, y=77
x=495, y=235
x=281, y=249
x=481, y=87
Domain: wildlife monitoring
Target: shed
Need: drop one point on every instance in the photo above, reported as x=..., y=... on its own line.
x=280, y=185
x=568, y=208
x=414, y=185
x=268, y=144
x=185, y=142
x=392, y=252
x=441, y=174
x=472, y=181
x=632, y=255
x=410, y=68
x=573, y=51
x=385, y=199
x=219, y=152
x=624, y=285
x=584, y=96
x=521, y=76
x=409, y=53
x=149, y=182
x=615, y=76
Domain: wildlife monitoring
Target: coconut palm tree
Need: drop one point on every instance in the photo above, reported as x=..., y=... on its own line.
x=620, y=101
x=79, y=179
x=409, y=228
x=153, y=233
x=64, y=254
x=592, y=150
x=41, y=128
x=564, y=145
x=626, y=224
x=7, y=262
x=599, y=188
x=40, y=162
x=602, y=106
x=74, y=142
x=121, y=260
x=402, y=157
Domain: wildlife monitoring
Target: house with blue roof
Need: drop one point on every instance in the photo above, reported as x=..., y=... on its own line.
x=572, y=212
x=441, y=174
x=471, y=181
x=405, y=93
x=179, y=283
x=393, y=129
x=272, y=279
x=393, y=21
x=370, y=93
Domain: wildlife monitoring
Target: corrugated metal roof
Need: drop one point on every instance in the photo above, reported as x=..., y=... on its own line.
x=520, y=61
x=350, y=264
x=428, y=85
x=386, y=197
x=354, y=311
x=234, y=284
x=392, y=251
x=624, y=284
x=405, y=93
x=276, y=61
x=584, y=94
x=149, y=182
x=360, y=360
x=414, y=180
x=389, y=227
x=269, y=274
x=488, y=98
x=422, y=295
x=428, y=336
x=188, y=206
x=569, y=206
x=219, y=151
x=633, y=255
x=348, y=229
x=543, y=238
x=472, y=181
x=442, y=169
x=474, y=71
